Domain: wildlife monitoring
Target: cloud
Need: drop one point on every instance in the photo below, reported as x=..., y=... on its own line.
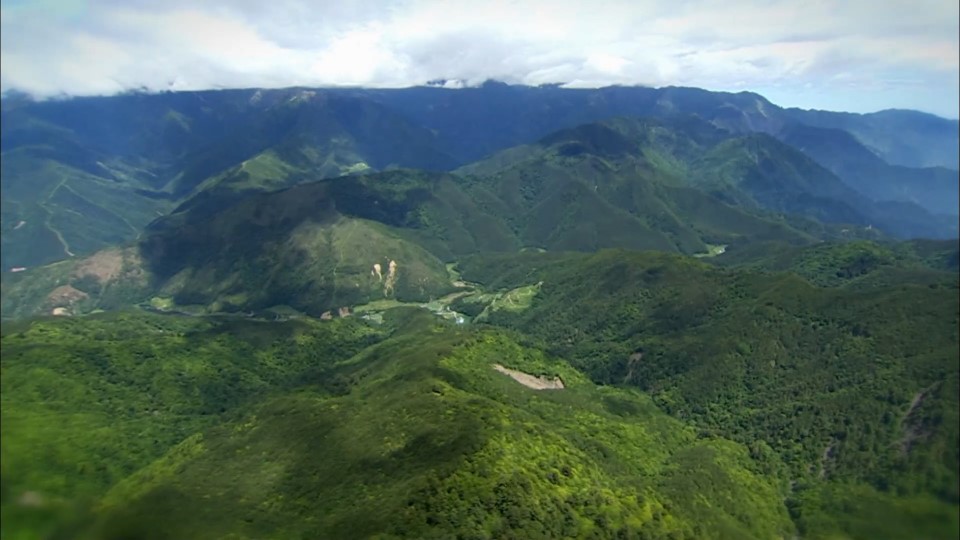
x=816, y=53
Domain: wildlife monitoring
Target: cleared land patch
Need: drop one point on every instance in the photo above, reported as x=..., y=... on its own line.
x=530, y=381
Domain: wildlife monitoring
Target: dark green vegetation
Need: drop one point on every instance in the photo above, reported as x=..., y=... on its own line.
x=82, y=174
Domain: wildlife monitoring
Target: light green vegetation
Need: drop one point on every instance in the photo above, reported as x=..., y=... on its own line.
x=841, y=384
x=87, y=402
x=774, y=408
x=162, y=304
x=517, y=299
x=266, y=419
x=264, y=171
x=357, y=167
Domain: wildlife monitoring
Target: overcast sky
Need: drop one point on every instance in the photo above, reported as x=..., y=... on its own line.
x=852, y=55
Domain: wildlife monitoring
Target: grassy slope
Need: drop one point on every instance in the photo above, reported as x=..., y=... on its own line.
x=295, y=435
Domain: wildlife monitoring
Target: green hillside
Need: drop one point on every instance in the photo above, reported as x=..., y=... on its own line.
x=108, y=395
x=84, y=174
x=220, y=428
x=680, y=183
x=312, y=247
x=262, y=326
x=497, y=312
x=840, y=384
x=113, y=278
x=775, y=409
x=53, y=210
x=855, y=264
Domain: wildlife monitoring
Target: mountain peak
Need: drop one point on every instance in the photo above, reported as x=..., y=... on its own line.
x=597, y=138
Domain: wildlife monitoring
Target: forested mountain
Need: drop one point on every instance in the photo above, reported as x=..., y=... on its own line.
x=64, y=161
x=933, y=188
x=66, y=164
x=679, y=186
x=899, y=137
x=776, y=408
x=494, y=312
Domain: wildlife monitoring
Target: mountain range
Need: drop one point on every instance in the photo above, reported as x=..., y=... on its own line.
x=493, y=312
x=155, y=152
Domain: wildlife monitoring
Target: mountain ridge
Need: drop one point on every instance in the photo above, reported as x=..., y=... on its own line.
x=157, y=148
x=591, y=187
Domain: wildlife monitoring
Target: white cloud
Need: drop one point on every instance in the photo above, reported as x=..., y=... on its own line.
x=817, y=51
